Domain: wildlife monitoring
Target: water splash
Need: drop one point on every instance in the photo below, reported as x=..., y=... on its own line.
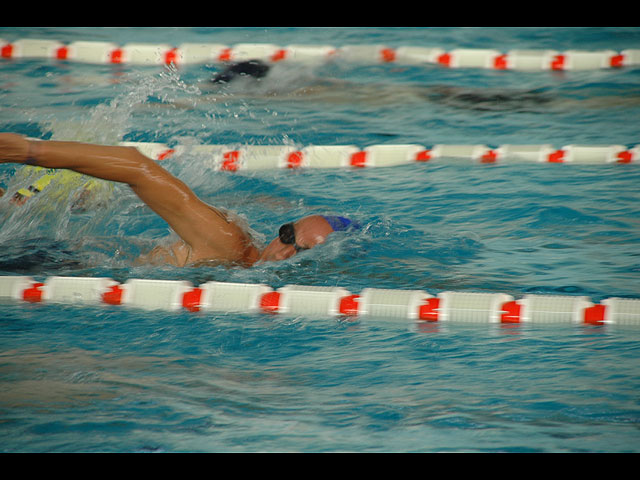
x=109, y=122
x=69, y=208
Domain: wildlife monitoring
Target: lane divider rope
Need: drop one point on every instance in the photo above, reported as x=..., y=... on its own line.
x=258, y=157
x=314, y=301
x=199, y=53
x=231, y=158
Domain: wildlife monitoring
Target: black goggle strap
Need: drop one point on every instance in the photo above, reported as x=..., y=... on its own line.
x=287, y=236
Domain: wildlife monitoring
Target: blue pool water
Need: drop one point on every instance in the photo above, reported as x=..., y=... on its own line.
x=100, y=379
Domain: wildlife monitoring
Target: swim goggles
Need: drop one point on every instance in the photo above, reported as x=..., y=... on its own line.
x=287, y=236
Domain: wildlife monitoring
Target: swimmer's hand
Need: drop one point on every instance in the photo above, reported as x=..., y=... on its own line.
x=13, y=148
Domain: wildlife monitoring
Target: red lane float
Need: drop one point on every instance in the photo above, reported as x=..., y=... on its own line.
x=313, y=301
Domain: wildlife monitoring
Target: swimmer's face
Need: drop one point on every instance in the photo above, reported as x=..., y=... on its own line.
x=306, y=233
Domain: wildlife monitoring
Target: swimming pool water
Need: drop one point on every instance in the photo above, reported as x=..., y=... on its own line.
x=113, y=379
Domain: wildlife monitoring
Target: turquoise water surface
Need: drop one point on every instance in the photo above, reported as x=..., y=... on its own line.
x=100, y=379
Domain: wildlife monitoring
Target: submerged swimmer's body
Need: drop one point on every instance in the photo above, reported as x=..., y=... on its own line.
x=207, y=234
x=256, y=79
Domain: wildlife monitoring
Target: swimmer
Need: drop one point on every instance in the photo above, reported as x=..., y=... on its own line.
x=207, y=234
x=250, y=68
x=304, y=86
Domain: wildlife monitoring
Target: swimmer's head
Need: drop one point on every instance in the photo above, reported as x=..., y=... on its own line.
x=250, y=68
x=304, y=234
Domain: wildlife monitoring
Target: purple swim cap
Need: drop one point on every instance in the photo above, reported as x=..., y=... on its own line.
x=340, y=224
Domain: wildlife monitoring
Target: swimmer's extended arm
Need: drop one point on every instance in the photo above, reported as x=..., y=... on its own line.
x=194, y=221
